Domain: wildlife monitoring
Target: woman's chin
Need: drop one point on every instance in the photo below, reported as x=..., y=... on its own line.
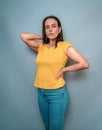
x=52, y=38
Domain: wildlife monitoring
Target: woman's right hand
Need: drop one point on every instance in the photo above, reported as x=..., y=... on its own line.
x=60, y=74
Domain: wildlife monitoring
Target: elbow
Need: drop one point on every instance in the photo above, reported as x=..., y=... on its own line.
x=22, y=36
x=85, y=65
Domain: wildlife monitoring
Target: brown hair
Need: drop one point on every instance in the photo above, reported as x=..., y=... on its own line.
x=60, y=35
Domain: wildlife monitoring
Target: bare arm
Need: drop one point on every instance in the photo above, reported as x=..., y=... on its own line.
x=31, y=40
x=81, y=62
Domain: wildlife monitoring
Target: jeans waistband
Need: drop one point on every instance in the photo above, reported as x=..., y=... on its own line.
x=51, y=90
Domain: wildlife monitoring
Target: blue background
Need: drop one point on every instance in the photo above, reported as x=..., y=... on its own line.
x=82, y=26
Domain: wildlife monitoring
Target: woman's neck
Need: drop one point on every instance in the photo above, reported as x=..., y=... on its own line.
x=52, y=42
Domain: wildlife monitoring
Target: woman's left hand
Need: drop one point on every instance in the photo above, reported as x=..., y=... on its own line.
x=60, y=74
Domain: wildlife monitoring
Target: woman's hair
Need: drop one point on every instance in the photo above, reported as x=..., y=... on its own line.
x=60, y=35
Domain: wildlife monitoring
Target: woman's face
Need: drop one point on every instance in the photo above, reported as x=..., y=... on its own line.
x=51, y=28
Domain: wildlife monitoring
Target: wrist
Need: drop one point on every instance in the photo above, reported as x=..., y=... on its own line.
x=63, y=70
x=40, y=37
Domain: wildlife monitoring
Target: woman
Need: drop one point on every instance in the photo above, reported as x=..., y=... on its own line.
x=53, y=53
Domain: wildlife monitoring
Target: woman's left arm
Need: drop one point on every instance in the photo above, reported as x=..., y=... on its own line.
x=80, y=62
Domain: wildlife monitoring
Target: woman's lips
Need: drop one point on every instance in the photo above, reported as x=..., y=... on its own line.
x=50, y=34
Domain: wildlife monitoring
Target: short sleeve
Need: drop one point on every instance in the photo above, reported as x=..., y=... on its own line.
x=66, y=45
x=40, y=46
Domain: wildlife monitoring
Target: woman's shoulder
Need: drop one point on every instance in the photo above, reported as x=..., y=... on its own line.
x=42, y=44
x=64, y=43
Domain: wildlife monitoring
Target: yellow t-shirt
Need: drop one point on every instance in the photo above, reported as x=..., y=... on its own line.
x=49, y=62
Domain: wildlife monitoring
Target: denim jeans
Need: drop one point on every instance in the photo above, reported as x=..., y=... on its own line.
x=53, y=105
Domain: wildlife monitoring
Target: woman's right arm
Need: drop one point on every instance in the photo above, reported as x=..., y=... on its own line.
x=31, y=40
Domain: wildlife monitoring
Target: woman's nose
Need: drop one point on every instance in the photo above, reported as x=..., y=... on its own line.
x=50, y=29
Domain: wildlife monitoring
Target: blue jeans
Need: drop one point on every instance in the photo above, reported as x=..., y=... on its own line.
x=53, y=105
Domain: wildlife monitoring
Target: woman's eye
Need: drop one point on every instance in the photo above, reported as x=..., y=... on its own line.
x=54, y=26
x=46, y=27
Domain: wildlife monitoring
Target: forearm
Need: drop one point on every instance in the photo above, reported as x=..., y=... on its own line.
x=75, y=67
x=30, y=36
